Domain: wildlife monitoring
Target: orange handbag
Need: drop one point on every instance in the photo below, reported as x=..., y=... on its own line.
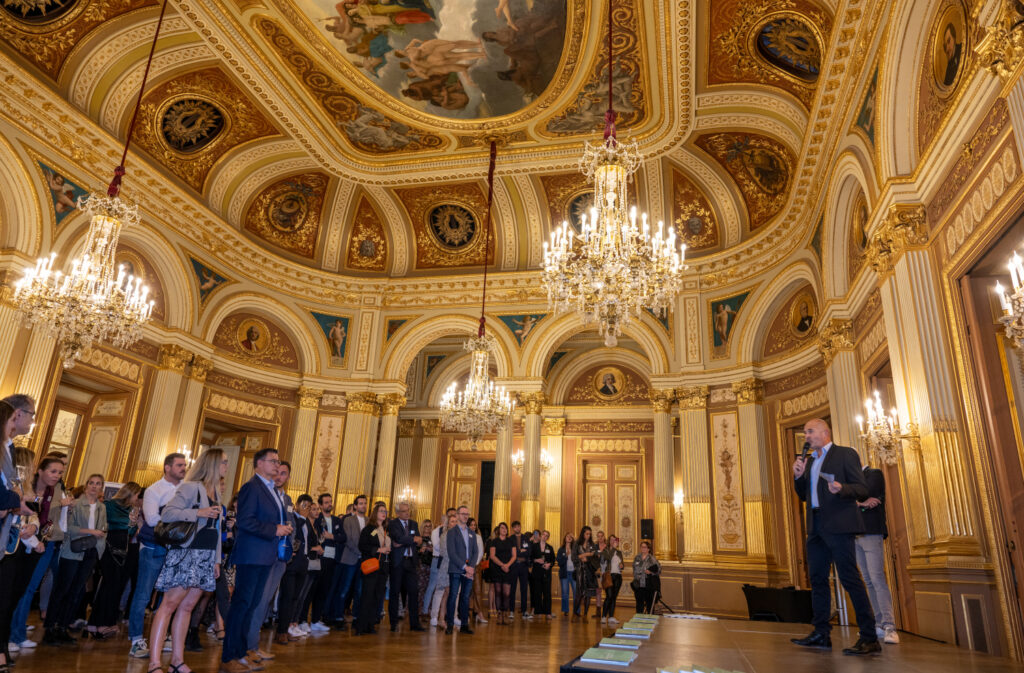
x=370, y=565
x=485, y=564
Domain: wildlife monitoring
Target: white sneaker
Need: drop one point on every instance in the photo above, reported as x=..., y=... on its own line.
x=604, y=620
x=168, y=645
x=78, y=624
x=458, y=622
x=13, y=647
x=27, y=644
x=612, y=620
x=891, y=637
x=304, y=627
x=140, y=649
x=30, y=627
x=433, y=622
x=319, y=627
x=296, y=631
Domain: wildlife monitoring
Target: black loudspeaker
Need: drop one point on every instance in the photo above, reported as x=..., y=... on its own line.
x=646, y=529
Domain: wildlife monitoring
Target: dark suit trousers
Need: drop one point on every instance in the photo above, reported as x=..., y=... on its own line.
x=291, y=590
x=323, y=592
x=520, y=574
x=249, y=582
x=405, y=584
x=823, y=550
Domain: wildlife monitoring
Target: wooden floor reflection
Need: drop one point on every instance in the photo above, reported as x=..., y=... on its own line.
x=531, y=647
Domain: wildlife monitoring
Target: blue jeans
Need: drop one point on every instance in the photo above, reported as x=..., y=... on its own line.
x=151, y=561
x=48, y=561
x=568, y=587
x=350, y=582
x=461, y=586
x=249, y=582
x=431, y=586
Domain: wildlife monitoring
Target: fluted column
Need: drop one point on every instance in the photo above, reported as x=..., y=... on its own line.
x=501, y=508
x=386, y=445
x=12, y=328
x=754, y=465
x=428, y=467
x=357, y=449
x=303, y=440
x=937, y=474
x=403, y=458
x=696, y=456
x=159, y=427
x=664, y=471
x=533, y=405
x=35, y=368
x=191, y=404
x=835, y=341
x=554, y=429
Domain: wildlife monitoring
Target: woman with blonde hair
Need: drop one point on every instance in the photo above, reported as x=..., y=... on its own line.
x=113, y=563
x=193, y=566
x=21, y=548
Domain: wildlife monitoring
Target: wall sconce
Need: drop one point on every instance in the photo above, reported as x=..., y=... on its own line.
x=518, y=461
x=189, y=458
x=677, y=503
x=408, y=495
x=1013, y=303
x=883, y=434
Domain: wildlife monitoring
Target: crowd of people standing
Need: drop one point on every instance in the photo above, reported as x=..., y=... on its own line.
x=178, y=551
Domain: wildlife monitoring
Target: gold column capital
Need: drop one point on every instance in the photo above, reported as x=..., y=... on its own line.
x=431, y=427
x=834, y=336
x=173, y=357
x=748, y=391
x=1002, y=48
x=309, y=398
x=692, y=397
x=201, y=367
x=363, y=403
x=406, y=427
x=554, y=427
x=533, y=403
x=661, y=400
x=905, y=226
x=391, y=403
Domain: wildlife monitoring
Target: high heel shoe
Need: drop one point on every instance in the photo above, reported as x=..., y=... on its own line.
x=480, y=619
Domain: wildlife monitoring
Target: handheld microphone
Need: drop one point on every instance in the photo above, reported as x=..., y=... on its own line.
x=807, y=448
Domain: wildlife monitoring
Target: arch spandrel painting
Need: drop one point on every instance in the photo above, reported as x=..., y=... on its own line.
x=463, y=59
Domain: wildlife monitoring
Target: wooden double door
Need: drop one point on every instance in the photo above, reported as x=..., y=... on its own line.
x=612, y=499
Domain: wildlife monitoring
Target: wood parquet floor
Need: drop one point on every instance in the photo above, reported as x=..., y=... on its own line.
x=535, y=647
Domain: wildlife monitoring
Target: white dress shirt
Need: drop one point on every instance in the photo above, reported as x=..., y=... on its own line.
x=816, y=473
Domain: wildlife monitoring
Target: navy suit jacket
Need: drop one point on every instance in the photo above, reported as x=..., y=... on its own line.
x=839, y=513
x=338, y=543
x=256, y=520
x=458, y=555
x=401, y=540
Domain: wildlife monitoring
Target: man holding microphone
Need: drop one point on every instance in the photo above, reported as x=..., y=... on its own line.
x=831, y=482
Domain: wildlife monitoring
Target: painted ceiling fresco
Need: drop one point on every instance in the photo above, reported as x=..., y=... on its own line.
x=463, y=59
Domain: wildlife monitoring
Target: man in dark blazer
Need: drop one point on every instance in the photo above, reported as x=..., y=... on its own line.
x=261, y=521
x=405, y=568
x=329, y=528
x=460, y=545
x=830, y=482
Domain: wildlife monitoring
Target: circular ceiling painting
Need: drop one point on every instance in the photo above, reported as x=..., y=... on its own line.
x=464, y=59
x=190, y=124
x=37, y=11
x=790, y=45
x=454, y=227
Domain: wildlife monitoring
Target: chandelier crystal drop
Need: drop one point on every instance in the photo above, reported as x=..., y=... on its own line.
x=617, y=265
x=482, y=407
x=93, y=301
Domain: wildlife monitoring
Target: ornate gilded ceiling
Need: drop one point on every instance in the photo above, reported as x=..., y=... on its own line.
x=351, y=136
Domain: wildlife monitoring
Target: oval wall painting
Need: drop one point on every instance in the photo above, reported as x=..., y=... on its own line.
x=463, y=59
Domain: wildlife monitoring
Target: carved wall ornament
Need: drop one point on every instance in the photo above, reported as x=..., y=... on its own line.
x=288, y=213
x=872, y=341
x=1002, y=48
x=722, y=396
x=406, y=427
x=239, y=407
x=948, y=58
x=905, y=226
x=445, y=219
x=334, y=400
x=367, y=242
x=391, y=403
x=793, y=325
x=363, y=403
x=480, y=446
x=809, y=401
x=608, y=385
x=761, y=166
x=554, y=427
x=748, y=391
x=112, y=364
x=661, y=400
x=834, y=336
x=173, y=357
x=309, y=398
x=692, y=214
x=605, y=427
x=189, y=124
x=255, y=339
x=610, y=446
x=201, y=368
x=806, y=376
x=692, y=397
x=250, y=387
x=999, y=177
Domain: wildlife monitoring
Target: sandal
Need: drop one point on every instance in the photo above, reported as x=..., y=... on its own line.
x=177, y=668
x=154, y=668
x=219, y=633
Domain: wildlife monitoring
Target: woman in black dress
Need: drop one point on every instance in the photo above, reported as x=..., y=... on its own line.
x=502, y=553
x=542, y=557
x=585, y=560
x=374, y=543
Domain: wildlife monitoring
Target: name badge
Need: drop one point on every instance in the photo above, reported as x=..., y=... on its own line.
x=291, y=510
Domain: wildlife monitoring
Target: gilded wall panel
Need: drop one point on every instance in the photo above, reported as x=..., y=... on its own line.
x=761, y=166
x=804, y=377
x=608, y=385
x=948, y=59
x=367, y=243
x=288, y=213
x=327, y=454
x=223, y=380
x=729, y=516
x=692, y=215
x=448, y=221
x=255, y=340
x=794, y=324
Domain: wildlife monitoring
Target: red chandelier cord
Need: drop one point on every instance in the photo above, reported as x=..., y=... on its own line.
x=487, y=243
x=609, y=116
x=115, y=185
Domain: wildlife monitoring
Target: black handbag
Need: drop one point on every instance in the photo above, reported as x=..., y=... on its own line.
x=175, y=533
x=83, y=543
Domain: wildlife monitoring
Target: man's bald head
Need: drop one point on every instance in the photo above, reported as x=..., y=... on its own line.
x=817, y=433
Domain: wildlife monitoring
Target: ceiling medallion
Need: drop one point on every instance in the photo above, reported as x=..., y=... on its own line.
x=579, y=206
x=616, y=268
x=789, y=44
x=37, y=11
x=287, y=212
x=189, y=124
x=453, y=226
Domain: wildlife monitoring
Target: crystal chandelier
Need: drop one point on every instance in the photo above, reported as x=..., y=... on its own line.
x=482, y=407
x=518, y=461
x=1013, y=304
x=616, y=266
x=93, y=301
x=882, y=435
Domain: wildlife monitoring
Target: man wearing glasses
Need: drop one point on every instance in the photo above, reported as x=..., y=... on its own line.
x=24, y=418
x=261, y=532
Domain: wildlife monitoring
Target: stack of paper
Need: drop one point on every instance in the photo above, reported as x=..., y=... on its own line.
x=608, y=655
x=620, y=643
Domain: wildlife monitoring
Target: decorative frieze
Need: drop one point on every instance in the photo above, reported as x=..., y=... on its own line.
x=834, y=336
x=112, y=364
x=431, y=427
x=481, y=446
x=610, y=446
x=237, y=407
x=870, y=342
x=334, y=401
x=722, y=396
x=605, y=427
x=692, y=397
x=806, y=402
x=998, y=178
x=406, y=427
x=905, y=226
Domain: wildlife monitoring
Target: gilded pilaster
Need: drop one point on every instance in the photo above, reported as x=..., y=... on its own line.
x=359, y=445
x=428, y=466
x=501, y=509
x=160, y=430
x=664, y=470
x=696, y=456
x=192, y=401
x=533, y=405
x=554, y=431
x=303, y=440
x=754, y=462
x=386, y=446
x=403, y=459
x=835, y=342
x=905, y=227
